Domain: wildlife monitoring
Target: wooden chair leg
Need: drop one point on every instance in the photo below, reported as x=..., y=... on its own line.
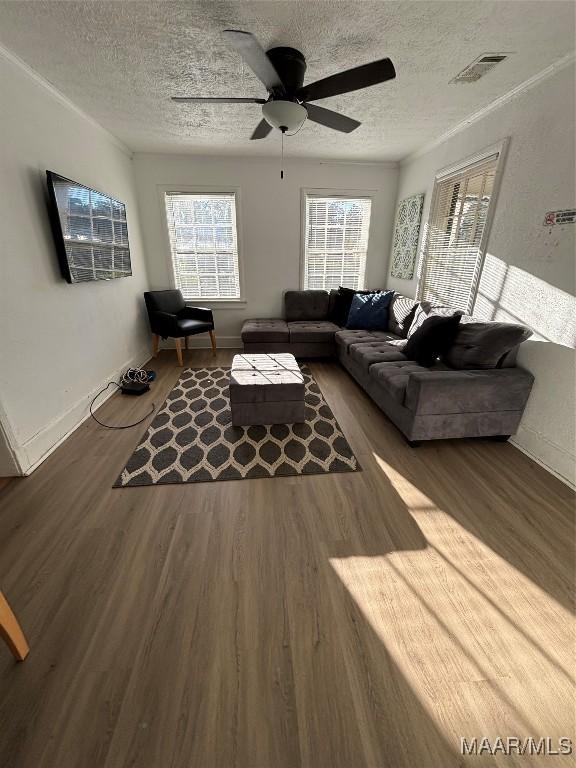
x=186, y=341
x=213, y=342
x=179, y=351
x=11, y=631
x=155, y=343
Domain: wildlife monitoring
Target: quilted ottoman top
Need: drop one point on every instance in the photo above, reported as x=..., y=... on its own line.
x=265, y=378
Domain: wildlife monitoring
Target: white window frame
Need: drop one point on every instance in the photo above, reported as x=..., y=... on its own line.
x=368, y=194
x=183, y=189
x=501, y=149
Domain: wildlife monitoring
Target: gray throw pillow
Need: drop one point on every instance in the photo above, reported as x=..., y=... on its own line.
x=483, y=344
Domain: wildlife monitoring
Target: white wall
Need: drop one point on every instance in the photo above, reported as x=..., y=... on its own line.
x=59, y=343
x=529, y=272
x=270, y=233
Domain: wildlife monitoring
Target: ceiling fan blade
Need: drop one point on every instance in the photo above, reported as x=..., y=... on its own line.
x=217, y=100
x=262, y=130
x=349, y=80
x=255, y=56
x=331, y=119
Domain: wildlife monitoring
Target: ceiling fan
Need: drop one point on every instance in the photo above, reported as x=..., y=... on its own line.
x=288, y=105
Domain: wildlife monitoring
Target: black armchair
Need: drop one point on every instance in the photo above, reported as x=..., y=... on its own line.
x=170, y=316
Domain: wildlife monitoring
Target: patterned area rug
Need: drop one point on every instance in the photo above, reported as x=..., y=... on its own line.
x=191, y=439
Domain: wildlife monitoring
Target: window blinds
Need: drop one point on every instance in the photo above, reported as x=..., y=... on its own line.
x=204, y=244
x=336, y=241
x=454, y=245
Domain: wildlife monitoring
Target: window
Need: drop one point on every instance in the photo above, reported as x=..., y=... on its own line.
x=204, y=244
x=457, y=232
x=335, y=241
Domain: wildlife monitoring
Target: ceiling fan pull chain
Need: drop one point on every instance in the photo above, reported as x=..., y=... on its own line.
x=282, y=156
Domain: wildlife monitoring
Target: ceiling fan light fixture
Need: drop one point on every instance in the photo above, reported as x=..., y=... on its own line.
x=282, y=114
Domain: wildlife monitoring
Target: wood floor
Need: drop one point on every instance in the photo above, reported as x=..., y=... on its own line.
x=359, y=620
x=4, y=482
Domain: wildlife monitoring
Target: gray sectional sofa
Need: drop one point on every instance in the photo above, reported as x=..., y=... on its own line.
x=476, y=390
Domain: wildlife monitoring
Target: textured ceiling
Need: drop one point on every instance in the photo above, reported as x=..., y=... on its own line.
x=121, y=61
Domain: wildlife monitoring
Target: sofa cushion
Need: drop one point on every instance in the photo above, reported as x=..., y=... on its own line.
x=483, y=344
x=394, y=376
x=306, y=305
x=371, y=352
x=332, y=299
x=344, y=338
x=369, y=311
x=265, y=330
x=401, y=314
x=312, y=331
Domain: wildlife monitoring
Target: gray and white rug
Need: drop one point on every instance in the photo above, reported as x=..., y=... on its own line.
x=191, y=439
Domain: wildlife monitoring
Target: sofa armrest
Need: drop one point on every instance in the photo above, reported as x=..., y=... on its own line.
x=198, y=313
x=482, y=391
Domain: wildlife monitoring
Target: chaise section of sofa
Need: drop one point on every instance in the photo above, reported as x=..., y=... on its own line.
x=438, y=403
x=305, y=330
x=475, y=391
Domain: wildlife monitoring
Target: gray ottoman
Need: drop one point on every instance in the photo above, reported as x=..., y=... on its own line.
x=266, y=389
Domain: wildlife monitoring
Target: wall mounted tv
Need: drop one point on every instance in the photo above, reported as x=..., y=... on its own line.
x=90, y=231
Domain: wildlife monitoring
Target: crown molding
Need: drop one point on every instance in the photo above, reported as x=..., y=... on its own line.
x=379, y=163
x=517, y=91
x=60, y=97
x=208, y=157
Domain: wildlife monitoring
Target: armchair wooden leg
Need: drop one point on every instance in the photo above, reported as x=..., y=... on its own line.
x=155, y=343
x=11, y=631
x=186, y=341
x=179, y=351
x=213, y=342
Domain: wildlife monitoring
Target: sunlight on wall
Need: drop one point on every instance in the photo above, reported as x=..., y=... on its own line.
x=511, y=294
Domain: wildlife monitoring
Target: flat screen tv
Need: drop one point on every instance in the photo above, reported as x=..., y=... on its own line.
x=90, y=231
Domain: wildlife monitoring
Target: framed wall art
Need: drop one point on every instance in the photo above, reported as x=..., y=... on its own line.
x=406, y=233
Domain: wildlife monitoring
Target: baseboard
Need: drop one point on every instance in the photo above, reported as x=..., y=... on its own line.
x=37, y=448
x=203, y=342
x=555, y=459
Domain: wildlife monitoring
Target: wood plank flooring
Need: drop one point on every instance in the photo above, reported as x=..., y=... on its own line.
x=358, y=620
x=4, y=482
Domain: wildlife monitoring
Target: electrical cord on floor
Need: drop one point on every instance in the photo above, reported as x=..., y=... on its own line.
x=136, y=375
x=115, y=426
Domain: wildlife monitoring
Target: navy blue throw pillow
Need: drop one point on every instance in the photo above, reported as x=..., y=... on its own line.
x=369, y=311
x=342, y=304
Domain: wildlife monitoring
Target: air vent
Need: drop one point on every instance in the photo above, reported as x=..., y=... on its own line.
x=479, y=68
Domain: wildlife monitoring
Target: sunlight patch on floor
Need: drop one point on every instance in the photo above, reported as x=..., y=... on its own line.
x=446, y=638
x=460, y=547
x=457, y=615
